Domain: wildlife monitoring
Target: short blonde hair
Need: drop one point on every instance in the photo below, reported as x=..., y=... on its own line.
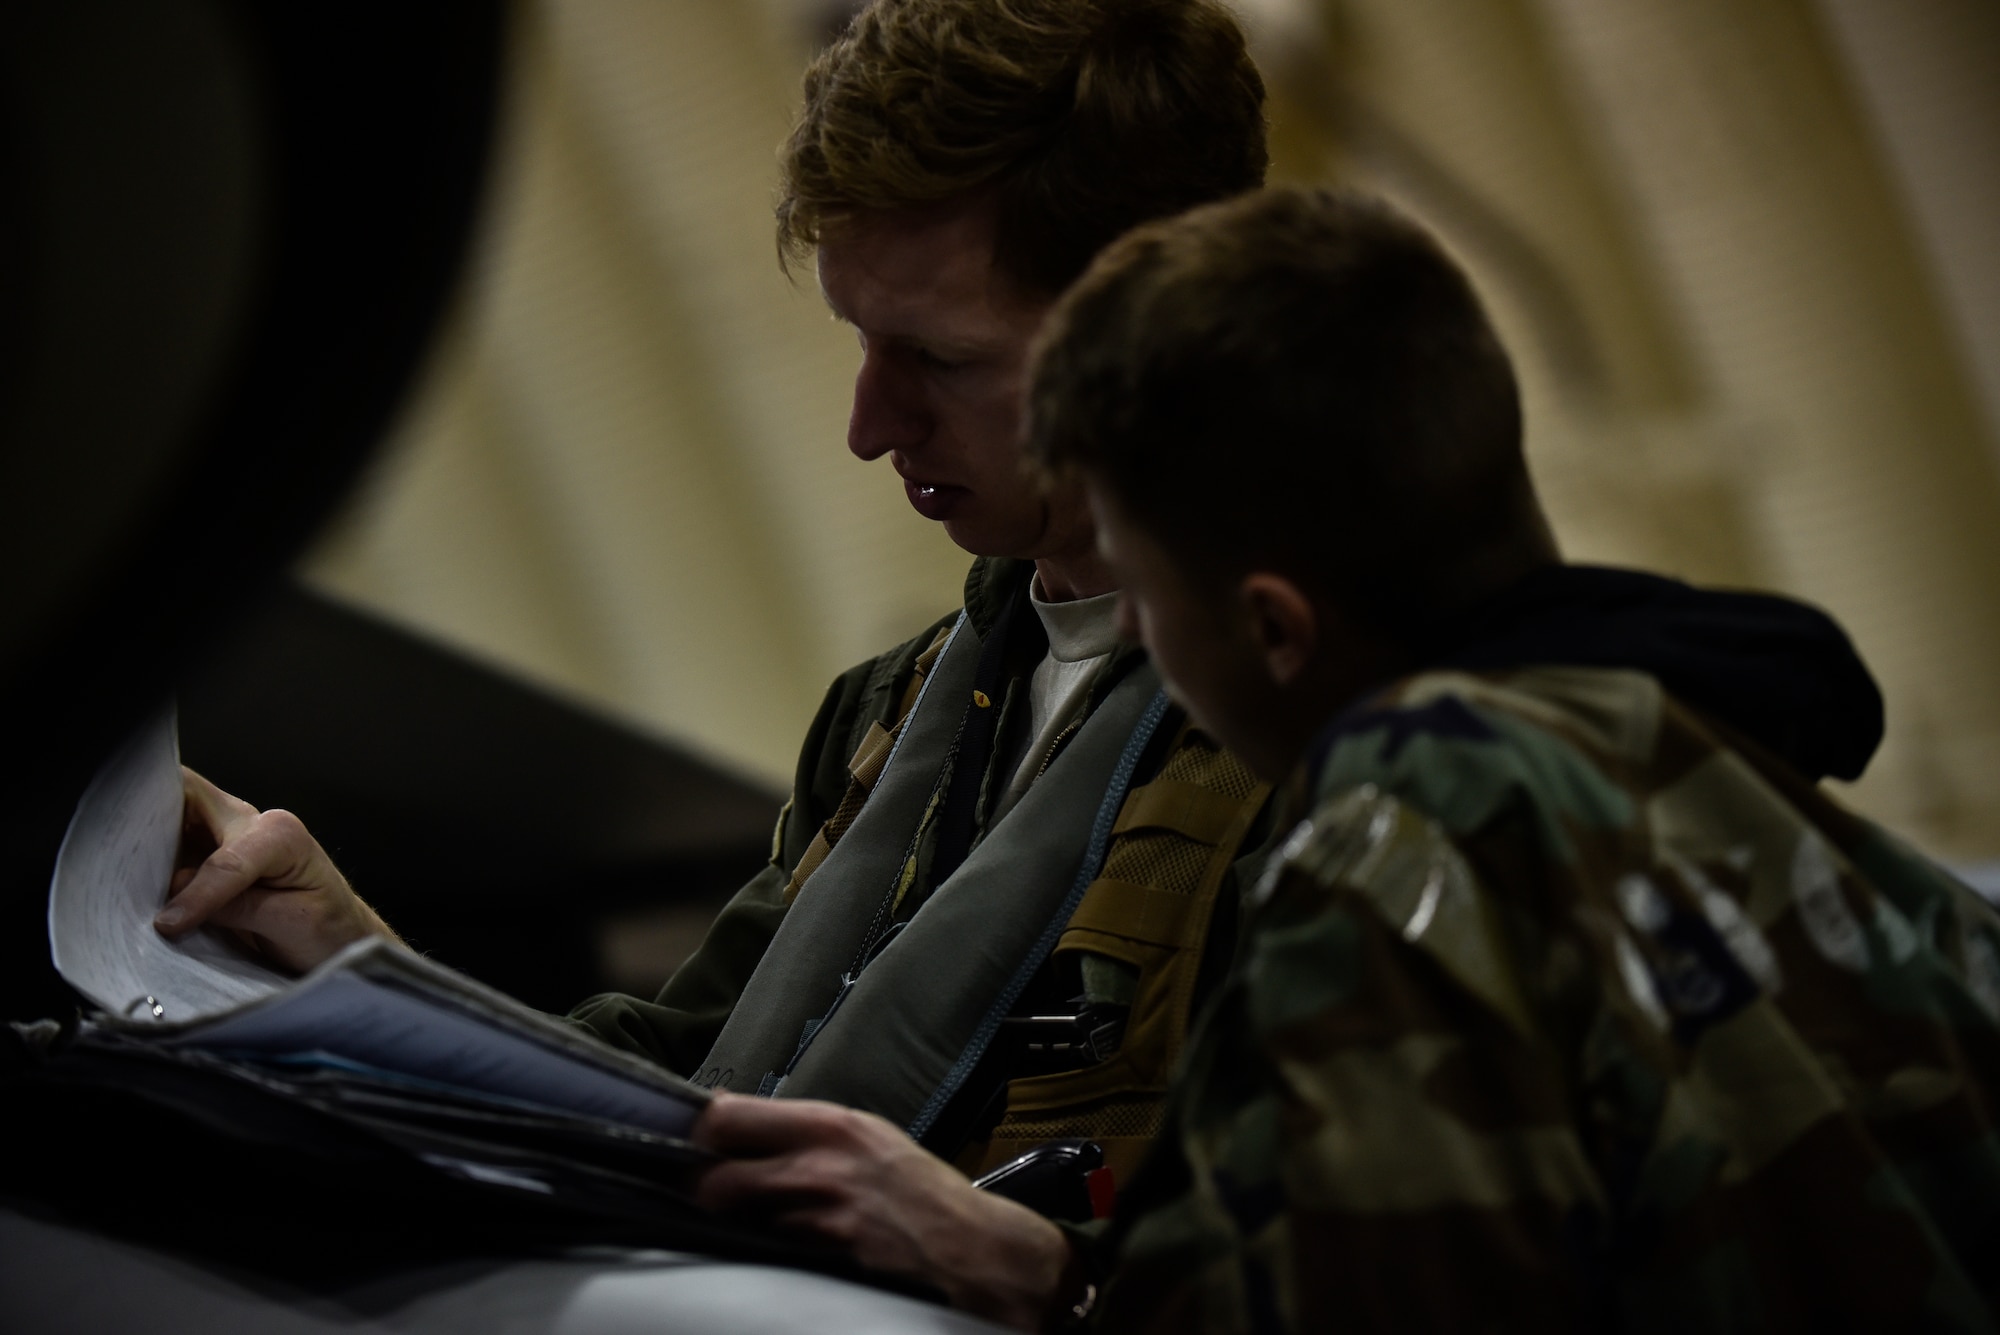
x=1083, y=117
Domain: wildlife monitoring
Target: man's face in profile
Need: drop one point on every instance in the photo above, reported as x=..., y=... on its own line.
x=944, y=345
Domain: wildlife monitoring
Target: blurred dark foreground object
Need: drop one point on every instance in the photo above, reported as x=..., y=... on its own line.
x=228, y=231
x=119, y=1285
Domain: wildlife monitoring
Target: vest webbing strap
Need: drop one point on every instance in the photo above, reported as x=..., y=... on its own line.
x=863, y=770
x=1141, y=912
x=1187, y=809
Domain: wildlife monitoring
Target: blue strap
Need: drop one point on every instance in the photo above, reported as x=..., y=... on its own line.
x=1093, y=859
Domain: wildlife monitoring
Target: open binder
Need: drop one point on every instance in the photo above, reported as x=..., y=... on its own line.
x=383, y=1102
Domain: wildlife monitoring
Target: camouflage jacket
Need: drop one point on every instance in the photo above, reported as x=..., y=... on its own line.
x=1567, y=1009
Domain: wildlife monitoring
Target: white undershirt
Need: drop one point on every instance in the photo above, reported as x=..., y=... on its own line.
x=1082, y=635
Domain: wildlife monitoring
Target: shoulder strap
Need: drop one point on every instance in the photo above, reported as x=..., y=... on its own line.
x=864, y=769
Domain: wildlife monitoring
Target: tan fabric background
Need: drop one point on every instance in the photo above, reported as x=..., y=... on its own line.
x=1740, y=248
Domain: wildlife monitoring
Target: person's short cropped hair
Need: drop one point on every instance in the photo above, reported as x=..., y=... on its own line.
x=1083, y=117
x=1300, y=380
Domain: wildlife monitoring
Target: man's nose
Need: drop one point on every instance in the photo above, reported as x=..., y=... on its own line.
x=887, y=413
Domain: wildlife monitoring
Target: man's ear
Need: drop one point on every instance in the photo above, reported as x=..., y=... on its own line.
x=1284, y=623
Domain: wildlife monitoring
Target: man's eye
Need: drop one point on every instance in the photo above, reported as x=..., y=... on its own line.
x=930, y=361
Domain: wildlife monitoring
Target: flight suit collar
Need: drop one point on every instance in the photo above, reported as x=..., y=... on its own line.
x=989, y=584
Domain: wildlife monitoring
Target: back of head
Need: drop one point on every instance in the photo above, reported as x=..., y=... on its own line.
x=1083, y=118
x=1298, y=380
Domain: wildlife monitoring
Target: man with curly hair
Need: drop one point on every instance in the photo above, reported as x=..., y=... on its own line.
x=1007, y=874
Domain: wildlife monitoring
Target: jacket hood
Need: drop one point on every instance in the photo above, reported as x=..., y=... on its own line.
x=1776, y=670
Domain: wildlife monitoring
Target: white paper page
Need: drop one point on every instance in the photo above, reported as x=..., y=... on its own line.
x=340, y=1011
x=111, y=878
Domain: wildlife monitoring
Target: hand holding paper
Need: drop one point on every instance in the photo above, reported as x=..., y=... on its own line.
x=367, y=1004
x=261, y=875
